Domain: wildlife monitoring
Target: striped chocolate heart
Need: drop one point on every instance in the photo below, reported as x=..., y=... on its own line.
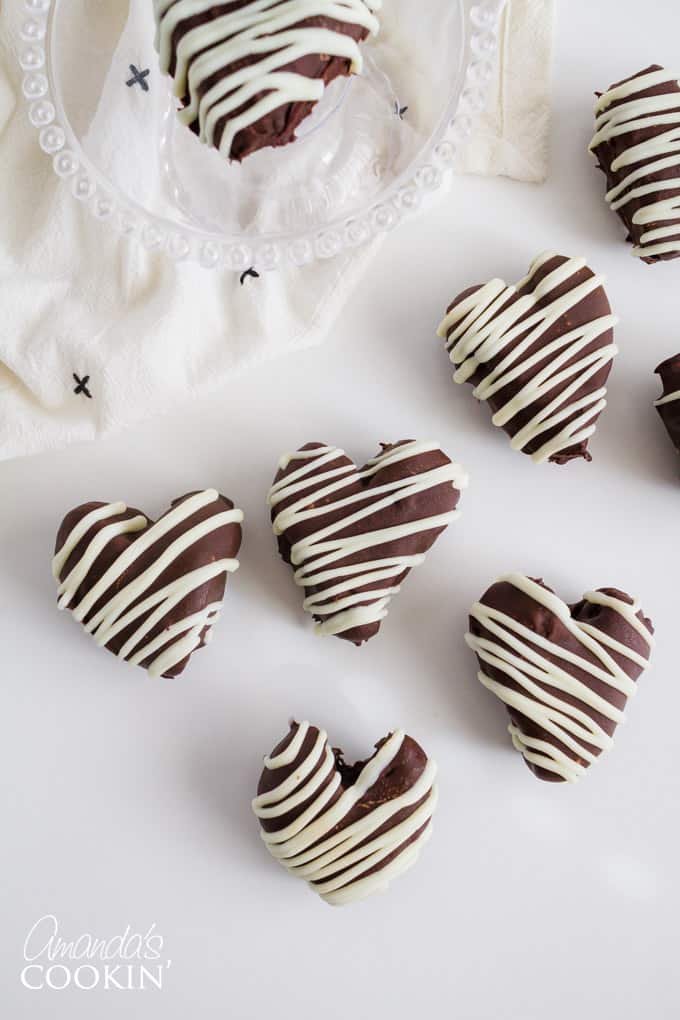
x=248, y=72
x=353, y=535
x=564, y=672
x=539, y=353
x=637, y=125
x=668, y=404
x=347, y=830
x=149, y=592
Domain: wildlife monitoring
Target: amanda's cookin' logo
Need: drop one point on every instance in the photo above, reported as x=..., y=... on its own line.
x=130, y=961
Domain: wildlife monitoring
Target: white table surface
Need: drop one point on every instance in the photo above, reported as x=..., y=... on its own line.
x=127, y=801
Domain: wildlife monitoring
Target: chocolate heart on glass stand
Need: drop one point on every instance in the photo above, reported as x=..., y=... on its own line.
x=249, y=72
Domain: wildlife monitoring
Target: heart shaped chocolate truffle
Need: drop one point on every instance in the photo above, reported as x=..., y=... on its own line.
x=539, y=353
x=564, y=672
x=353, y=535
x=150, y=592
x=347, y=830
x=668, y=404
x=637, y=125
x=248, y=72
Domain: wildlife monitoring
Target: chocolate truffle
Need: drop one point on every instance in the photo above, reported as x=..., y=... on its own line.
x=668, y=404
x=563, y=672
x=353, y=535
x=149, y=592
x=539, y=353
x=248, y=72
x=637, y=127
x=347, y=830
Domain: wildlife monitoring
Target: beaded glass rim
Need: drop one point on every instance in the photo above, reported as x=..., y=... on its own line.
x=400, y=199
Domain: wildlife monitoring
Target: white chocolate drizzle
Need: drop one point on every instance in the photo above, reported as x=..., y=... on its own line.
x=662, y=152
x=476, y=331
x=315, y=556
x=669, y=398
x=522, y=655
x=122, y=607
x=336, y=865
x=267, y=29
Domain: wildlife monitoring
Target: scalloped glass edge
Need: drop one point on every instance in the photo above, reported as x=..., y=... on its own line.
x=402, y=198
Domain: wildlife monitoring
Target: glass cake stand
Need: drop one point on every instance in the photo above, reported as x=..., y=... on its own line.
x=373, y=149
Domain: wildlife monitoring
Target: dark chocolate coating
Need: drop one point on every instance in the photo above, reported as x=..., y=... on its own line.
x=223, y=543
x=438, y=500
x=593, y=306
x=608, y=151
x=669, y=371
x=399, y=776
x=508, y=599
x=278, y=127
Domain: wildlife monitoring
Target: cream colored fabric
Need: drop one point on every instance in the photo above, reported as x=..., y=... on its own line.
x=76, y=298
x=512, y=136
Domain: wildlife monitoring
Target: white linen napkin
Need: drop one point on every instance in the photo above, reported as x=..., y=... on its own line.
x=80, y=301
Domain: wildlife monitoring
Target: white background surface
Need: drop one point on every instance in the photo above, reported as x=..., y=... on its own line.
x=127, y=801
